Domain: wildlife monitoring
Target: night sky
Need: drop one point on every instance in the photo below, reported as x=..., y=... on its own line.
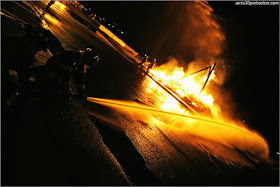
x=252, y=40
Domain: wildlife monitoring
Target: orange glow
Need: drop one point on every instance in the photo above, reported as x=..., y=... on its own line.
x=192, y=130
x=187, y=87
x=51, y=19
x=112, y=36
x=60, y=5
x=206, y=35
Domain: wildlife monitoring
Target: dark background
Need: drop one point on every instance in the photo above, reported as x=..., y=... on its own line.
x=252, y=38
x=253, y=42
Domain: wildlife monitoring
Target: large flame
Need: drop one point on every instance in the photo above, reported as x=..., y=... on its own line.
x=206, y=38
x=232, y=133
x=183, y=84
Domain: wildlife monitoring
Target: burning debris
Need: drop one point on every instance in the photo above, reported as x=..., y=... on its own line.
x=185, y=88
x=189, y=87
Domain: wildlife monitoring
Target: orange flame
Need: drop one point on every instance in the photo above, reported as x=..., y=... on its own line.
x=51, y=19
x=204, y=37
x=207, y=39
x=185, y=86
x=60, y=5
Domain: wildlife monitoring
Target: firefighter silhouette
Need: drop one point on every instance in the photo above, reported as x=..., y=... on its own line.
x=146, y=63
x=78, y=74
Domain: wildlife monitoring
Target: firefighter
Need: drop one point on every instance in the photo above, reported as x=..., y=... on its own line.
x=44, y=38
x=53, y=77
x=60, y=66
x=65, y=74
x=34, y=40
x=79, y=72
x=146, y=64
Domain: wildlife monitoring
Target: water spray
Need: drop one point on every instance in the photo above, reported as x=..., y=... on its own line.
x=115, y=103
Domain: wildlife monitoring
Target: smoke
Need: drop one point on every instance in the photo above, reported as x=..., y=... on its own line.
x=204, y=33
x=192, y=31
x=193, y=38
